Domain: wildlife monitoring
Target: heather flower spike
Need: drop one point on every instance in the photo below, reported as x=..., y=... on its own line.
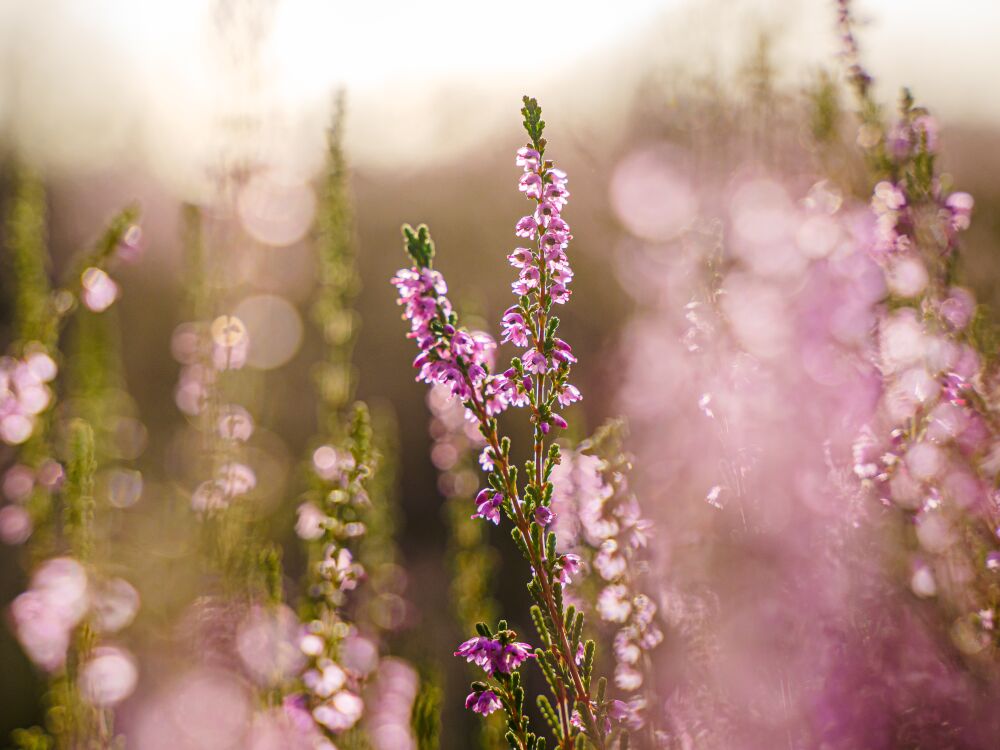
x=462, y=363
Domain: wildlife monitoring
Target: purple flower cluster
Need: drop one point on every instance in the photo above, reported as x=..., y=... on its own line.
x=47, y=615
x=538, y=379
x=330, y=698
x=341, y=476
x=499, y=655
x=601, y=518
x=204, y=352
x=24, y=393
x=483, y=701
x=448, y=356
x=932, y=449
x=544, y=275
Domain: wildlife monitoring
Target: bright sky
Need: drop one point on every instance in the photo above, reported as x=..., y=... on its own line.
x=165, y=84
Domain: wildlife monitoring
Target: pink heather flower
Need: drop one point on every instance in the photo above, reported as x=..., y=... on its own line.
x=51, y=474
x=311, y=644
x=514, y=329
x=236, y=479
x=613, y=603
x=18, y=482
x=562, y=352
x=507, y=389
x=609, y=561
x=23, y=394
x=960, y=202
x=992, y=561
x=543, y=515
x=41, y=366
x=15, y=525
x=330, y=464
x=570, y=394
x=488, y=504
x=618, y=710
x=521, y=257
x=46, y=614
x=494, y=656
x=483, y=702
x=529, y=277
x=295, y=709
x=535, y=362
x=527, y=157
x=547, y=213
x=230, y=357
x=559, y=293
x=326, y=680
x=510, y=657
x=531, y=185
x=114, y=604
x=235, y=423
x=478, y=651
x=958, y=308
x=311, y=522
x=339, y=713
x=960, y=205
x=42, y=632
x=627, y=677
x=526, y=227
x=626, y=649
x=568, y=566
x=557, y=176
x=887, y=197
x=108, y=676
x=15, y=427
x=338, y=566
x=99, y=290
x=556, y=194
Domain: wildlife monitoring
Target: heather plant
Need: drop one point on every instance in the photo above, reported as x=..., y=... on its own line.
x=312, y=668
x=774, y=366
x=930, y=449
x=345, y=520
x=599, y=518
x=538, y=380
x=69, y=619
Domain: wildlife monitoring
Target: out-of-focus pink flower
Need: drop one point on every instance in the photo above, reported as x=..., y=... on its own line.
x=114, y=604
x=267, y=641
x=311, y=522
x=18, y=482
x=15, y=525
x=46, y=614
x=235, y=423
x=108, y=676
x=99, y=291
x=341, y=712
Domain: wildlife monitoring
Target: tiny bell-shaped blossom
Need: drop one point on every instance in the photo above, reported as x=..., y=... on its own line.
x=483, y=702
x=488, y=503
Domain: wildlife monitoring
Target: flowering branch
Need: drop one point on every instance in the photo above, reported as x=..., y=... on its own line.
x=599, y=517
x=70, y=607
x=931, y=449
x=454, y=357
